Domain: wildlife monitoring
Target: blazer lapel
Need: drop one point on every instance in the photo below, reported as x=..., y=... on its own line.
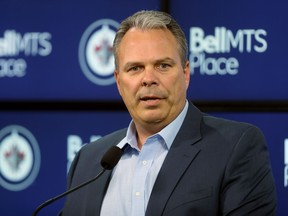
x=178, y=159
x=97, y=193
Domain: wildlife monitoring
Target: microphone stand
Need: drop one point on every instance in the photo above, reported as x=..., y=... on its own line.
x=108, y=162
x=66, y=193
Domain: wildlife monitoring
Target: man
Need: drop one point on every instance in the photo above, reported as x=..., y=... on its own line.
x=176, y=160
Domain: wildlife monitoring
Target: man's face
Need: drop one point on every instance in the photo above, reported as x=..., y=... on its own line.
x=151, y=78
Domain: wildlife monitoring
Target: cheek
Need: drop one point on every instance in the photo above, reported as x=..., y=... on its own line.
x=127, y=87
x=178, y=89
x=178, y=83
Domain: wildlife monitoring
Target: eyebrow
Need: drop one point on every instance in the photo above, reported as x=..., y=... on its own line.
x=131, y=64
x=167, y=59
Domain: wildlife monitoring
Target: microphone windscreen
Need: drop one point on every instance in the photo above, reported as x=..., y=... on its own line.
x=111, y=157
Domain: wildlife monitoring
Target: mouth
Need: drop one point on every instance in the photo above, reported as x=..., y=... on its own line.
x=150, y=101
x=149, y=98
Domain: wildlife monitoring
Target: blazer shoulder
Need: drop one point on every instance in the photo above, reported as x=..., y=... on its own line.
x=230, y=128
x=223, y=123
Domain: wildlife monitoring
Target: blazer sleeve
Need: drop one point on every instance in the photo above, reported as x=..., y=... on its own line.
x=248, y=185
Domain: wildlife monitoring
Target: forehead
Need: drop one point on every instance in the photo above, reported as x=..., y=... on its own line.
x=147, y=34
x=138, y=43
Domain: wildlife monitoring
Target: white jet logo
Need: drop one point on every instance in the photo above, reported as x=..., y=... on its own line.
x=95, y=52
x=19, y=158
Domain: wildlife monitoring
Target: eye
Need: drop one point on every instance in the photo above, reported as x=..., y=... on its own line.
x=163, y=66
x=134, y=69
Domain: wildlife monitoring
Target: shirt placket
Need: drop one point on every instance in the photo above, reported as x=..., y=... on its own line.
x=142, y=168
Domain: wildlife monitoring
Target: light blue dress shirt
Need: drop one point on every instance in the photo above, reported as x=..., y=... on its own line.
x=134, y=176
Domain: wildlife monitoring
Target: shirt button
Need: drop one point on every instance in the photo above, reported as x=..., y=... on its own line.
x=138, y=194
x=144, y=162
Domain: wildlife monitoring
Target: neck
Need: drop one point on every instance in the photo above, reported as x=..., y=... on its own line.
x=144, y=132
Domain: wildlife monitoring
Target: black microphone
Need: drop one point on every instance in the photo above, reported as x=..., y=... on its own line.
x=108, y=162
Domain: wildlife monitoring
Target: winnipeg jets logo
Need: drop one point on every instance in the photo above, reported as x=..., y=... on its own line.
x=95, y=52
x=19, y=158
x=103, y=51
x=14, y=157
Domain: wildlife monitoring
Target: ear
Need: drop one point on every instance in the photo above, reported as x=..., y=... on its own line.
x=116, y=76
x=187, y=73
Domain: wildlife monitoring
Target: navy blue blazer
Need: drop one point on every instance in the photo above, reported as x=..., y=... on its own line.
x=214, y=167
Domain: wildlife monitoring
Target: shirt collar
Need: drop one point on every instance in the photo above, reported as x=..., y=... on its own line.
x=168, y=133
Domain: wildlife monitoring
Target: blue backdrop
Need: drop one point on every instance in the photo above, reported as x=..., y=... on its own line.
x=237, y=48
x=59, y=135
x=45, y=48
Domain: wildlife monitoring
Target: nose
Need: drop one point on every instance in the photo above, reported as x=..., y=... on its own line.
x=149, y=78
